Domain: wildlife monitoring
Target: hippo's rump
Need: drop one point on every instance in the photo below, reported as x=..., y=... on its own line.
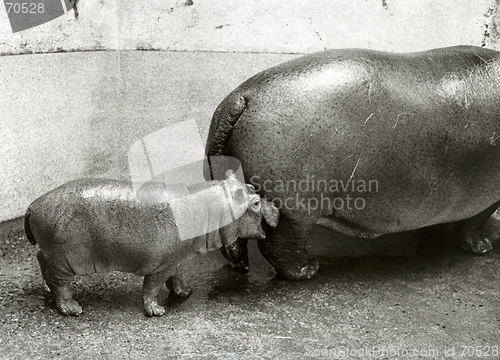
x=424, y=126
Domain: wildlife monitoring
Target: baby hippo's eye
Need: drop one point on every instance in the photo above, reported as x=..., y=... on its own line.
x=256, y=205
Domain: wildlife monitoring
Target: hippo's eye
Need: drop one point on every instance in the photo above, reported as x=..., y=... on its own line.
x=256, y=205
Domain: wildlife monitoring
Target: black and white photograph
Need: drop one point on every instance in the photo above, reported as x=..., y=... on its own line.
x=207, y=179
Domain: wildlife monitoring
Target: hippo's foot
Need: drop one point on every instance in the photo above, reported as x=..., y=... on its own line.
x=290, y=264
x=69, y=307
x=284, y=248
x=301, y=271
x=65, y=304
x=477, y=243
x=471, y=232
x=237, y=254
x=184, y=292
x=150, y=289
x=151, y=308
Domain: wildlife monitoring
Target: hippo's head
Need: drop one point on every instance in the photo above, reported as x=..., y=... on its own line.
x=250, y=224
x=248, y=210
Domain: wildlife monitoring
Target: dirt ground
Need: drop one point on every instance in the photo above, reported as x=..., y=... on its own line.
x=378, y=299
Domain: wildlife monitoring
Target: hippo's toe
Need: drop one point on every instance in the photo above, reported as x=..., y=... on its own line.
x=69, y=307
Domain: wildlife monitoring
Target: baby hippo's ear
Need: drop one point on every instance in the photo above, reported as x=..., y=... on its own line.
x=230, y=174
x=250, y=188
x=270, y=212
x=239, y=195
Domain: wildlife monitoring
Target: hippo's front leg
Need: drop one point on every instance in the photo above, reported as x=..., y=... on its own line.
x=285, y=249
x=237, y=254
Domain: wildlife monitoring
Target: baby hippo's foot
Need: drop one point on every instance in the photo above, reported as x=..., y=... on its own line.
x=69, y=307
x=150, y=289
x=177, y=287
x=65, y=304
x=152, y=308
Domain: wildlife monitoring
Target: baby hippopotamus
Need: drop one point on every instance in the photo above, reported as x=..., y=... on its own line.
x=97, y=225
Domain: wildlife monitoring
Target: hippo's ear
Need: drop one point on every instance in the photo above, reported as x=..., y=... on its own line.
x=270, y=212
x=250, y=188
x=230, y=174
x=239, y=195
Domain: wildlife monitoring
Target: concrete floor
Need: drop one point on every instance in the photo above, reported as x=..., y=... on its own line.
x=368, y=295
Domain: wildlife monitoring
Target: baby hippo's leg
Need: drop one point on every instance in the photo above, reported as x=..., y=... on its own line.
x=59, y=284
x=150, y=289
x=176, y=285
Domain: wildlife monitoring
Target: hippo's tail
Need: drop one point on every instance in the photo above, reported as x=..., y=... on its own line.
x=224, y=119
x=27, y=227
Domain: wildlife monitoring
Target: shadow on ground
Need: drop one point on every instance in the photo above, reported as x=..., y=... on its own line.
x=389, y=294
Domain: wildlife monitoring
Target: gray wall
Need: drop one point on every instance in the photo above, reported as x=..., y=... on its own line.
x=76, y=114
x=297, y=26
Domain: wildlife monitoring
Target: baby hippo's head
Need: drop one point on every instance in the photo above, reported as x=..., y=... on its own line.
x=248, y=210
x=250, y=224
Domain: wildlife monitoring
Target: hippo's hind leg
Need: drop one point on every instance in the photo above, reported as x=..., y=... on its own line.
x=59, y=284
x=471, y=232
x=285, y=249
x=177, y=286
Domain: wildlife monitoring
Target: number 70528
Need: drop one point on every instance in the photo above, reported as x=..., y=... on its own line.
x=25, y=8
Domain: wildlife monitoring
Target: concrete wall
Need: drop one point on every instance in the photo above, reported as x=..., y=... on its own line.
x=70, y=115
x=296, y=26
x=76, y=115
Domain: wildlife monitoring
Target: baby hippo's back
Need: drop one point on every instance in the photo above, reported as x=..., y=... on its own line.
x=96, y=225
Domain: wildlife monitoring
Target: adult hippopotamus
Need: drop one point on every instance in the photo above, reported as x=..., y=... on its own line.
x=367, y=143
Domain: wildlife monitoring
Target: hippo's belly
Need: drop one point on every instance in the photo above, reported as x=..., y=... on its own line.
x=415, y=136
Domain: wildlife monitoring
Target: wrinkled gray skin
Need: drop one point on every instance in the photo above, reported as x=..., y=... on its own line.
x=425, y=126
x=96, y=225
